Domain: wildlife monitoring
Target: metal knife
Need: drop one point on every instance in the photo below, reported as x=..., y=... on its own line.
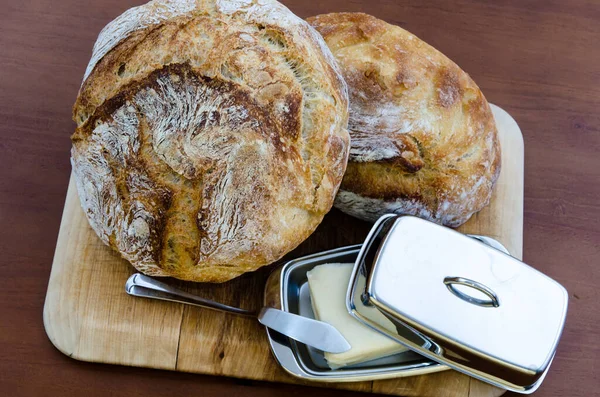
x=311, y=332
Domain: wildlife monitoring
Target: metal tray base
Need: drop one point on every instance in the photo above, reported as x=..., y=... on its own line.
x=308, y=363
x=305, y=362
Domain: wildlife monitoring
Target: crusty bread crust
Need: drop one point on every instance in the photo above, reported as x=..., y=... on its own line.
x=423, y=137
x=211, y=136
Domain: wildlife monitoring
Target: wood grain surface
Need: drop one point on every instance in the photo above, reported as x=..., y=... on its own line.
x=540, y=60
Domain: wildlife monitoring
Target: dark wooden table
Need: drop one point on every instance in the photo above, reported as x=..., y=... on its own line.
x=540, y=60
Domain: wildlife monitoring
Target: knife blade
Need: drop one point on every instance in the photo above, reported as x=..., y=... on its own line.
x=318, y=334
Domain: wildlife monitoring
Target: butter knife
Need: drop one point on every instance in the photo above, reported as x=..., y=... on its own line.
x=317, y=334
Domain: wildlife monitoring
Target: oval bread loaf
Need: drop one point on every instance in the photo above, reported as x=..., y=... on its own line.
x=211, y=136
x=423, y=137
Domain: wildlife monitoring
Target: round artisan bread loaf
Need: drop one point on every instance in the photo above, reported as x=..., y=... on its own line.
x=211, y=136
x=423, y=137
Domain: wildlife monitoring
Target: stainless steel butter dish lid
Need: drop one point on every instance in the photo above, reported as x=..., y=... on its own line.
x=458, y=301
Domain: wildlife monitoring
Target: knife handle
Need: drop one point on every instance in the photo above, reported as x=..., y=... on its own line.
x=147, y=287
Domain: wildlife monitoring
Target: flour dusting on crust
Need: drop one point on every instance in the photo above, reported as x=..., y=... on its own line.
x=211, y=136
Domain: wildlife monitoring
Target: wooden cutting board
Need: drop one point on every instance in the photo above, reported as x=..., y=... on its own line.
x=88, y=316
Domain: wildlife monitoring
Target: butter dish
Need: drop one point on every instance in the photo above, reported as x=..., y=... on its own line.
x=287, y=289
x=459, y=302
x=455, y=301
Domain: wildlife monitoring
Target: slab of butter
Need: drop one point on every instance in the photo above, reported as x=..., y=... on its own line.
x=328, y=284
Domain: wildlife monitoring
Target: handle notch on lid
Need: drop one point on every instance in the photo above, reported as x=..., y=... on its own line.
x=450, y=282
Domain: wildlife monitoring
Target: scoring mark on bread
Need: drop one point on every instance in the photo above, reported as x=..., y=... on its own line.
x=134, y=19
